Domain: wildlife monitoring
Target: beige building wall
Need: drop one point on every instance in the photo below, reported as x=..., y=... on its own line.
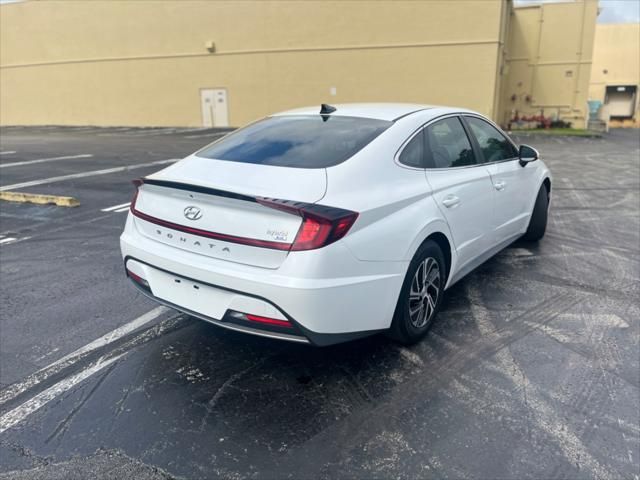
x=616, y=62
x=145, y=62
x=548, y=64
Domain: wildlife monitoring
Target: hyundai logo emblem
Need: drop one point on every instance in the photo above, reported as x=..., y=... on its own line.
x=193, y=213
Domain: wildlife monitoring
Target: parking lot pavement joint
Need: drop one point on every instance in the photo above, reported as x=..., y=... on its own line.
x=39, y=199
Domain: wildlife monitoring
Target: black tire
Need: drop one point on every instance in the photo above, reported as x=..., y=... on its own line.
x=538, y=221
x=405, y=328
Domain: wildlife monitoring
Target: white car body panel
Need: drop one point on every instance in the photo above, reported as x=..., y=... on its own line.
x=514, y=187
x=225, y=215
x=343, y=289
x=318, y=287
x=465, y=197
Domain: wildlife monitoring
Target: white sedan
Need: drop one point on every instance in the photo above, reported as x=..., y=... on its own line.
x=325, y=224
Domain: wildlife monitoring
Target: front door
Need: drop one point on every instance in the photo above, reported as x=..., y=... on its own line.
x=462, y=188
x=512, y=183
x=213, y=102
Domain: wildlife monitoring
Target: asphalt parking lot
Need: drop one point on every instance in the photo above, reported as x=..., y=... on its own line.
x=531, y=371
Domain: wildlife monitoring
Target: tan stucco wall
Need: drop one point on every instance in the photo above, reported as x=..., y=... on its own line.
x=143, y=63
x=549, y=55
x=616, y=51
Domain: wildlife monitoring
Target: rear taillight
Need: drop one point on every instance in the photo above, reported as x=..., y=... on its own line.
x=136, y=183
x=320, y=226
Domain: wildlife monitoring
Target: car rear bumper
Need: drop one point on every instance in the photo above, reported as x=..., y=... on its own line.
x=294, y=335
x=322, y=309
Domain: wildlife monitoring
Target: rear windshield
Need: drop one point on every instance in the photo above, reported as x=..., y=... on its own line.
x=297, y=141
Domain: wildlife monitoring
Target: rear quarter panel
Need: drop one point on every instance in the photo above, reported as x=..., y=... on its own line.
x=396, y=207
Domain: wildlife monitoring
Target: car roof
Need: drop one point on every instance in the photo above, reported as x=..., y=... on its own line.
x=379, y=111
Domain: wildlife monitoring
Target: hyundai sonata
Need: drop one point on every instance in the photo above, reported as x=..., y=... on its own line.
x=321, y=225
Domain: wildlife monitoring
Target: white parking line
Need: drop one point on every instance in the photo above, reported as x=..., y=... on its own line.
x=146, y=133
x=87, y=129
x=116, y=207
x=12, y=240
x=21, y=412
x=92, y=173
x=113, y=132
x=17, y=388
x=186, y=130
x=8, y=152
x=121, y=210
x=208, y=135
x=43, y=160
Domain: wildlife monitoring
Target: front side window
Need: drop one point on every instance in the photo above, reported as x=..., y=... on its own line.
x=448, y=145
x=413, y=153
x=304, y=141
x=494, y=146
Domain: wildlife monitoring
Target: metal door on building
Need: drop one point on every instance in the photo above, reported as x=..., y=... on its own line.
x=620, y=100
x=213, y=102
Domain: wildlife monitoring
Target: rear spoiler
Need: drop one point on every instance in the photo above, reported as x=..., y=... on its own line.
x=196, y=188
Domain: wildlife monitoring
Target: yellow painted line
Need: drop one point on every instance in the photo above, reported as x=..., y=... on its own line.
x=39, y=199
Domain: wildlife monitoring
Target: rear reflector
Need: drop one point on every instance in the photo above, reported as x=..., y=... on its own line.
x=267, y=320
x=138, y=279
x=275, y=322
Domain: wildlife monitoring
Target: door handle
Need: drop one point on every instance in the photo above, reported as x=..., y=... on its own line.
x=450, y=201
x=500, y=185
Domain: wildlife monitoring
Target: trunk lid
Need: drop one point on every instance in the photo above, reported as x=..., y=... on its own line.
x=300, y=184
x=208, y=207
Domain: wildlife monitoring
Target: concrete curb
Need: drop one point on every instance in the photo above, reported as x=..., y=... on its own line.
x=39, y=199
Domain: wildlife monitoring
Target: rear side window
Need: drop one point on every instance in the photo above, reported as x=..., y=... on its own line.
x=413, y=153
x=309, y=141
x=448, y=145
x=493, y=144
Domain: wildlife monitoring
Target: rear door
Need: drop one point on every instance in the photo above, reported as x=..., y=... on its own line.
x=461, y=187
x=514, y=185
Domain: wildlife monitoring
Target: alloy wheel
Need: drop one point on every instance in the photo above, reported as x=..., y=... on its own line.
x=424, y=292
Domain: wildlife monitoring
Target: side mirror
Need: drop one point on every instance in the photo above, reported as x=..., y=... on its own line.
x=527, y=154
